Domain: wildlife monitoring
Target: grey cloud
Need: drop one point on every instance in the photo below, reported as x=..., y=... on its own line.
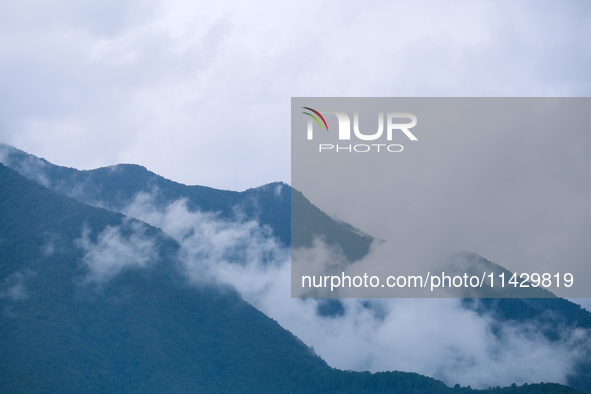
x=203, y=97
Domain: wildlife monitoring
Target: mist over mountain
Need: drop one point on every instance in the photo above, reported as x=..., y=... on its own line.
x=148, y=287
x=93, y=301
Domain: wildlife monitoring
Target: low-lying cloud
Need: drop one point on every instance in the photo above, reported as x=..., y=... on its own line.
x=114, y=251
x=28, y=166
x=434, y=337
x=210, y=246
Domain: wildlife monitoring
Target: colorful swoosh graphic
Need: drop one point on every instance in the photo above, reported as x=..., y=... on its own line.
x=315, y=118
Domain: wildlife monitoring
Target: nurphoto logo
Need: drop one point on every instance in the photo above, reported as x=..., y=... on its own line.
x=344, y=132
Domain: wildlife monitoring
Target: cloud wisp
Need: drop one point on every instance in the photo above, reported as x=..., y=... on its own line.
x=14, y=287
x=116, y=248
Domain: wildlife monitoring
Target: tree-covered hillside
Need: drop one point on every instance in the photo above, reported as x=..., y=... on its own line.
x=116, y=187
x=94, y=301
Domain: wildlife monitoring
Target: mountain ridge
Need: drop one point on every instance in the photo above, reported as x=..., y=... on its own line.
x=115, y=188
x=353, y=380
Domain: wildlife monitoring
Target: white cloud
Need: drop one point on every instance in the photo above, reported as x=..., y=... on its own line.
x=210, y=245
x=115, y=251
x=435, y=337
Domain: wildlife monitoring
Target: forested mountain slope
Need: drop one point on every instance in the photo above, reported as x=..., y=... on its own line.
x=76, y=319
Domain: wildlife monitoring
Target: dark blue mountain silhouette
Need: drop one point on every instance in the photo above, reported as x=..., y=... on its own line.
x=149, y=330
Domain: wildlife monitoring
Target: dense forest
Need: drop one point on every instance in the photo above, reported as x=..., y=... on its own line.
x=147, y=329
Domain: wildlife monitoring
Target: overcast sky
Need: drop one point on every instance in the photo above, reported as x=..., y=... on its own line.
x=199, y=92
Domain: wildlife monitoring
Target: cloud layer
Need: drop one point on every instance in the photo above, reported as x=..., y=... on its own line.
x=200, y=93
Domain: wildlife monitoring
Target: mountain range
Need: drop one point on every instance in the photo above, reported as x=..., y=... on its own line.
x=95, y=299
